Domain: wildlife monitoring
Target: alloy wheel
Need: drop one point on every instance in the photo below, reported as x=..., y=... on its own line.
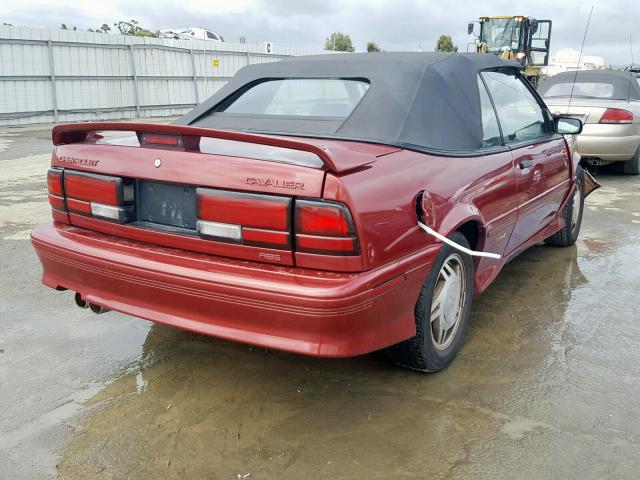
x=448, y=301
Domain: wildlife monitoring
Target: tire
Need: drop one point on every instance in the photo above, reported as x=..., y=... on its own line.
x=428, y=351
x=632, y=167
x=568, y=235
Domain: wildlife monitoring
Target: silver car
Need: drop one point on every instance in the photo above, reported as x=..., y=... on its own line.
x=608, y=103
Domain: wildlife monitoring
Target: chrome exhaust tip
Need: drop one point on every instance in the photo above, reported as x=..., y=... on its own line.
x=80, y=302
x=97, y=309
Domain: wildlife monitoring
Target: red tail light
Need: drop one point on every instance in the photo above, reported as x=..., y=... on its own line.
x=246, y=218
x=270, y=222
x=265, y=221
x=320, y=218
x=616, y=115
x=328, y=245
x=268, y=238
x=323, y=227
x=79, y=206
x=251, y=210
x=101, y=196
x=54, y=181
x=56, y=192
x=57, y=202
x=98, y=188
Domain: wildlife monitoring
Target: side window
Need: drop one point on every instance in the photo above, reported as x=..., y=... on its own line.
x=520, y=115
x=490, y=129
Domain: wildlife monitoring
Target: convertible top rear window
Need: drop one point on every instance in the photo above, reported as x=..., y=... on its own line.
x=602, y=84
x=591, y=90
x=420, y=100
x=303, y=97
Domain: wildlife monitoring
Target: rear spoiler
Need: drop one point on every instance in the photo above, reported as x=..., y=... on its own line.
x=335, y=158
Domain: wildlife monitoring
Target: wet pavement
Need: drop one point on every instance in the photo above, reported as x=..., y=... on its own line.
x=546, y=385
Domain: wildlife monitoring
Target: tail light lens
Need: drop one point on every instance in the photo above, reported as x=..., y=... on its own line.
x=324, y=227
x=616, y=115
x=265, y=221
x=245, y=218
x=98, y=188
x=319, y=218
x=258, y=220
x=56, y=192
x=101, y=196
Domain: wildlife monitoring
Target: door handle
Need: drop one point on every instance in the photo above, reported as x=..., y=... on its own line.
x=524, y=164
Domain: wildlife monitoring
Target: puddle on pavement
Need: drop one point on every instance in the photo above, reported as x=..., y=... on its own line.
x=205, y=408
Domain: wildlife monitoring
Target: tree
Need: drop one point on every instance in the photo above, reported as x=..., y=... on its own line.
x=339, y=42
x=132, y=28
x=103, y=29
x=373, y=47
x=445, y=44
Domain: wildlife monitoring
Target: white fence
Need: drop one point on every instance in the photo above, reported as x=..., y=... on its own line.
x=65, y=76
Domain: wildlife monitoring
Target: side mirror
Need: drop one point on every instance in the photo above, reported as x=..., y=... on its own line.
x=567, y=125
x=470, y=27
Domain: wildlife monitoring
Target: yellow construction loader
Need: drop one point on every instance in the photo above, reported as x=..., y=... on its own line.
x=518, y=38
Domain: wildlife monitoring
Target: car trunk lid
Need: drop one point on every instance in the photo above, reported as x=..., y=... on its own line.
x=587, y=110
x=226, y=193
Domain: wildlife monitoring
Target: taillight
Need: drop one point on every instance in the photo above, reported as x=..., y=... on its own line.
x=616, y=115
x=257, y=220
x=324, y=227
x=101, y=196
x=56, y=192
x=98, y=188
x=245, y=218
x=319, y=218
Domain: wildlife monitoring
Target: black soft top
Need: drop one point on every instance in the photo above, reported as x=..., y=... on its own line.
x=428, y=101
x=625, y=84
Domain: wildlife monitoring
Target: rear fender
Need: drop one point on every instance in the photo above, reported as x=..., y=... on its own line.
x=486, y=269
x=460, y=214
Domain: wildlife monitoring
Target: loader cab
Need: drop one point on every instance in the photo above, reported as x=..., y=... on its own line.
x=518, y=38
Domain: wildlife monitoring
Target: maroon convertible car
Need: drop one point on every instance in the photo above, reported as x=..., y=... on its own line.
x=330, y=205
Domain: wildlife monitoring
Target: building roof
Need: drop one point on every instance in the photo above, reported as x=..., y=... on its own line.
x=428, y=101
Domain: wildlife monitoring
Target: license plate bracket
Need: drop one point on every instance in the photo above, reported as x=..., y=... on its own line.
x=167, y=204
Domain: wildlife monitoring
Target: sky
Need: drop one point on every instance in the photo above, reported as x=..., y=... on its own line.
x=395, y=25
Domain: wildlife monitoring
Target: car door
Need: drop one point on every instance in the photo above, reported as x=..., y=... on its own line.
x=541, y=156
x=495, y=194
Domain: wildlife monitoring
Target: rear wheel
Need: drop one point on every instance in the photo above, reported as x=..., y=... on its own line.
x=572, y=215
x=441, y=313
x=632, y=167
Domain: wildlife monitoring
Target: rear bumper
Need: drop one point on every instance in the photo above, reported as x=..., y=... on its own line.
x=303, y=311
x=608, y=142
